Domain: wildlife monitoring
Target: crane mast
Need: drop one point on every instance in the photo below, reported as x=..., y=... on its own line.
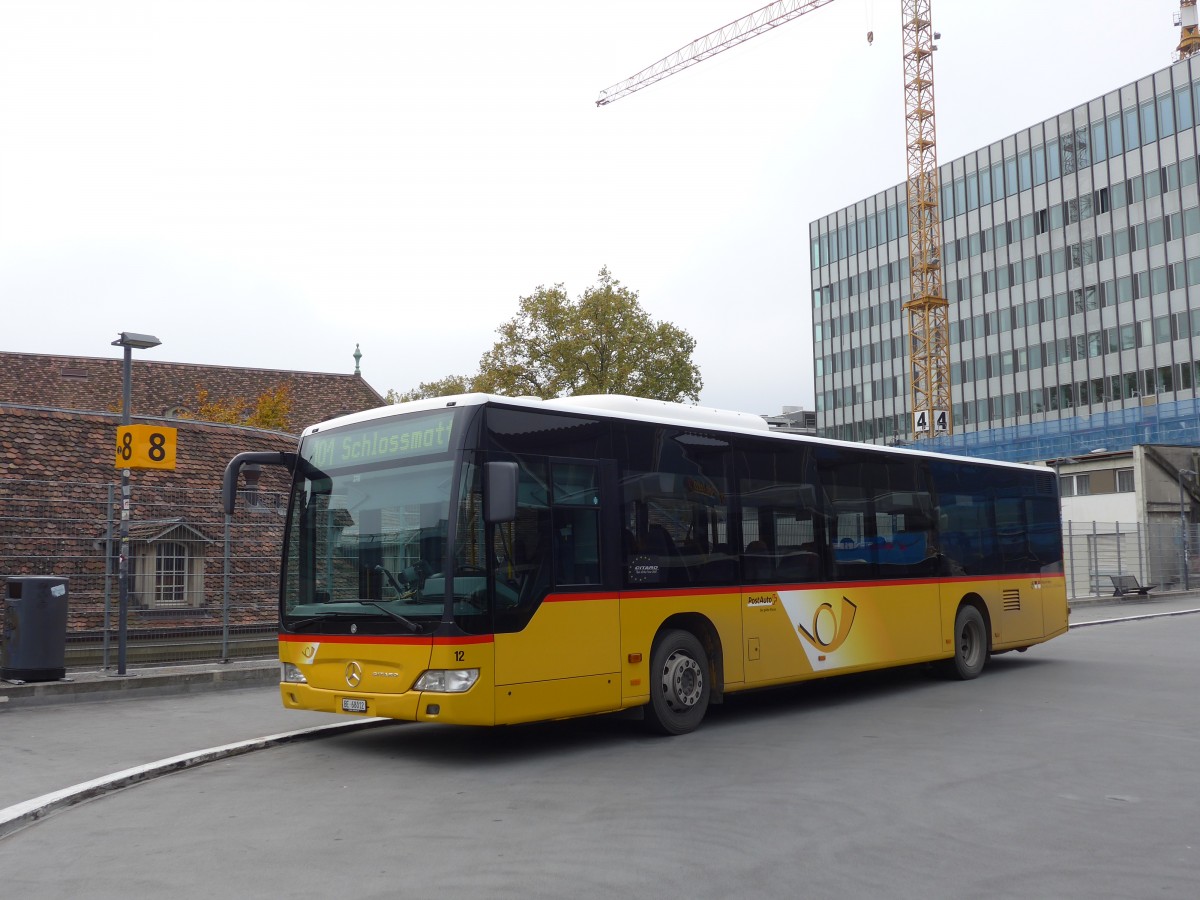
x=928, y=312
x=928, y=325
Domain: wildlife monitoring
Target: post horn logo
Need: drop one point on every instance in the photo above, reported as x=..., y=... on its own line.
x=353, y=674
x=829, y=630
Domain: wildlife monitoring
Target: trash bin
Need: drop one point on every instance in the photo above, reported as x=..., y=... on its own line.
x=33, y=644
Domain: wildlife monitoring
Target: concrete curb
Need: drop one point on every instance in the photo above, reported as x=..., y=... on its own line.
x=21, y=815
x=103, y=685
x=1141, y=618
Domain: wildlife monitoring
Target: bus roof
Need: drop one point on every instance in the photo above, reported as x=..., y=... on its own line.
x=620, y=406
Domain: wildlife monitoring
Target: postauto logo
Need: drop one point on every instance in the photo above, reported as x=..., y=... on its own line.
x=829, y=628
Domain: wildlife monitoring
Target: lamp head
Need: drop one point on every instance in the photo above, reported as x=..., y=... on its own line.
x=136, y=341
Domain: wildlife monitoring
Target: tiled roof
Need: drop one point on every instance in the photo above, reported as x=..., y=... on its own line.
x=93, y=384
x=56, y=470
x=75, y=446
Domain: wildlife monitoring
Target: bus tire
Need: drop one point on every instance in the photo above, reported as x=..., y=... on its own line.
x=680, y=683
x=970, y=644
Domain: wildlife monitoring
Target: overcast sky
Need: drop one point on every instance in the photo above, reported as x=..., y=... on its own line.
x=271, y=183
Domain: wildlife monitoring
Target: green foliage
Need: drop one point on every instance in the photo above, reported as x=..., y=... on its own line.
x=602, y=343
x=443, y=387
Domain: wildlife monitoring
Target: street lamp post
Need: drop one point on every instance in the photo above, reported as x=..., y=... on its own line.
x=1183, y=529
x=130, y=341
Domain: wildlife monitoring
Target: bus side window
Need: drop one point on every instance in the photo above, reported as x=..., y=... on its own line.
x=576, y=502
x=576, y=546
x=524, y=566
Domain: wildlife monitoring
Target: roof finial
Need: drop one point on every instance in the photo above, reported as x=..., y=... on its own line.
x=357, y=357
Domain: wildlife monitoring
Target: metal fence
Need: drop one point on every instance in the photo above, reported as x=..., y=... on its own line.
x=1164, y=555
x=201, y=585
x=204, y=586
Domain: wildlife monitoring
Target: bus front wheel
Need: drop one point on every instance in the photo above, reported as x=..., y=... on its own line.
x=679, y=683
x=970, y=644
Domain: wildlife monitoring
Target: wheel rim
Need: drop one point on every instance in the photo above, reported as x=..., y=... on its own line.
x=970, y=644
x=682, y=681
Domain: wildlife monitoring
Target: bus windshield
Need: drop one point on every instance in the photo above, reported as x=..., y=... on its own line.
x=368, y=529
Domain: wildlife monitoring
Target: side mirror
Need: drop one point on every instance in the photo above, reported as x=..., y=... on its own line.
x=229, y=482
x=500, y=492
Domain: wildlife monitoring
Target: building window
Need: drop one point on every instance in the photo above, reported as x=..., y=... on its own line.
x=1132, y=139
x=1183, y=106
x=1149, y=131
x=166, y=565
x=1125, y=481
x=170, y=575
x=1075, y=485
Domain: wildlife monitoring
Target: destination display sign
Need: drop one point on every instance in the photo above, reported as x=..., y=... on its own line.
x=407, y=437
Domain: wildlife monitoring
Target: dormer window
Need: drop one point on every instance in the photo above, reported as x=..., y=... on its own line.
x=166, y=565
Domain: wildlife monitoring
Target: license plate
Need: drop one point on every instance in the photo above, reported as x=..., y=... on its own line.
x=349, y=705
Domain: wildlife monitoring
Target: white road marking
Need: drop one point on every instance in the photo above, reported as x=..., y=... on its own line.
x=20, y=815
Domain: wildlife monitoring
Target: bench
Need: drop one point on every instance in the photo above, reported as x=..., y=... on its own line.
x=1128, y=584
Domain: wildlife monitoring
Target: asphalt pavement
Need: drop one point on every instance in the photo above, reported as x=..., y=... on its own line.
x=64, y=742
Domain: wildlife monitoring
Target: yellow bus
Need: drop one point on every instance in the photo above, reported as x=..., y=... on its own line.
x=485, y=560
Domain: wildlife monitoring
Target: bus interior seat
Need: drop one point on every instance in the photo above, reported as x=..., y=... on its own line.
x=758, y=563
x=798, y=565
x=659, y=542
x=718, y=567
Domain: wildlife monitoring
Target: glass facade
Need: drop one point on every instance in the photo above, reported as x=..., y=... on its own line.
x=1071, y=263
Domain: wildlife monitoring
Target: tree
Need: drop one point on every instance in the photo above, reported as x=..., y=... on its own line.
x=443, y=387
x=270, y=409
x=602, y=343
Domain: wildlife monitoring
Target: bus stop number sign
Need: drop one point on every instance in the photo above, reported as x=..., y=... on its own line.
x=939, y=418
x=145, y=447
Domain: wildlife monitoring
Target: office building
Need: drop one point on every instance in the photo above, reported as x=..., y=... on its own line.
x=1071, y=263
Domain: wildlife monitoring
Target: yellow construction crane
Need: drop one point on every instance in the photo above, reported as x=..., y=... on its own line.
x=928, y=321
x=1189, y=35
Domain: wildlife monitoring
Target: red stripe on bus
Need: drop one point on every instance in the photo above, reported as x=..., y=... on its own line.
x=833, y=585
x=901, y=582
x=411, y=640
x=573, y=598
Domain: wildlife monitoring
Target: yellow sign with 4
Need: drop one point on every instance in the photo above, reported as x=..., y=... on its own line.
x=145, y=447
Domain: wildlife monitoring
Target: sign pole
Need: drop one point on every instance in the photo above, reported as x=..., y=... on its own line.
x=123, y=568
x=126, y=460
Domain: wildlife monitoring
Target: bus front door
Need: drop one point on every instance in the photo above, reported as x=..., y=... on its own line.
x=560, y=658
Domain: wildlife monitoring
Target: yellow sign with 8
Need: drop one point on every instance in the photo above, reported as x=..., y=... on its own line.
x=145, y=447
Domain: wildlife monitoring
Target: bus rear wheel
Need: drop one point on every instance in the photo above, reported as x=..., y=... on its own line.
x=970, y=645
x=679, y=683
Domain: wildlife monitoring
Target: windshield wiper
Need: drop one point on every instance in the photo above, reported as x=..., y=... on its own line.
x=412, y=626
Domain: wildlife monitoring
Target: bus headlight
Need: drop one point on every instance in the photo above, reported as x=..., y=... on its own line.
x=447, y=681
x=290, y=674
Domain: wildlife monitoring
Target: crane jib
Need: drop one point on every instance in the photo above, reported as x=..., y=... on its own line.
x=928, y=316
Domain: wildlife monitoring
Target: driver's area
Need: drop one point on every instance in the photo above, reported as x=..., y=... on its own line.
x=554, y=541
